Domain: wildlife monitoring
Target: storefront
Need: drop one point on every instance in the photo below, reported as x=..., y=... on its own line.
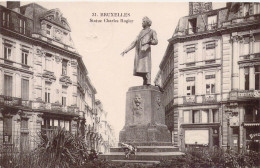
x=200, y=135
x=252, y=136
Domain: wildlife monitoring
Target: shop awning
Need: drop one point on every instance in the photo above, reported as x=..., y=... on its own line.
x=251, y=124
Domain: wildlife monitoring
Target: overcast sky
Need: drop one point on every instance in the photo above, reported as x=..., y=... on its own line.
x=100, y=44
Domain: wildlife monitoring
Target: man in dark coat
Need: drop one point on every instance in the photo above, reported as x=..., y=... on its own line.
x=142, y=44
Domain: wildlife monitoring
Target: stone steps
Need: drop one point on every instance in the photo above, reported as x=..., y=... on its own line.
x=144, y=156
x=146, y=162
x=149, y=149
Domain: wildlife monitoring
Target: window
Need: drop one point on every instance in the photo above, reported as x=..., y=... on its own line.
x=257, y=77
x=55, y=123
x=256, y=8
x=64, y=67
x=48, y=31
x=8, y=83
x=64, y=95
x=246, y=9
x=204, y=116
x=24, y=123
x=25, y=89
x=210, y=51
x=47, y=92
x=48, y=62
x=246, y=73
x=192, y=26
x=25, y=57
x=7, y=51
x=215, y=115
x=257, y=43
x=63, y=101
x=22, y=26
x=210, y=84
x=246, y=47
x=67, y=125
x=212, y=22
x=190, y=86
x=6, y=19
x=7, y=129
x=190, y=54
x=196, y=116
x=186, y=116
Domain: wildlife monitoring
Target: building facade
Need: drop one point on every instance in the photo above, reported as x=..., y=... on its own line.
x=44, y=83
x=210, y=77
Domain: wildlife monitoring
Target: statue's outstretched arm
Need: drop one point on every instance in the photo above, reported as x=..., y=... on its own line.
x=132, y=45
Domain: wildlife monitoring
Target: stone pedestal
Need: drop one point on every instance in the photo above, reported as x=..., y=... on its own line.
x=144, y=118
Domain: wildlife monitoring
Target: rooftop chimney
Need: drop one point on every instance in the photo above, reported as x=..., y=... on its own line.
x=13, y=4
x=199, y=7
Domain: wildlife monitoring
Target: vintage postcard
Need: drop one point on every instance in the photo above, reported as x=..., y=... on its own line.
x=136, y=82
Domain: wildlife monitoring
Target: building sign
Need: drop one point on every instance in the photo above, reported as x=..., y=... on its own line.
x=249, y=94
x=254, y=135
x=197, y=137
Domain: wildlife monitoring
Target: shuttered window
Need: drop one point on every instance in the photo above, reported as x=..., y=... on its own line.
x=25, y=89
x=8, y=82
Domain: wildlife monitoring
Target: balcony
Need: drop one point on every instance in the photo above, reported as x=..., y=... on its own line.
x=211, y=27
x=54, y=107
x=9, y=62
x=14, y=101
x=17, y=29
x=249, y=57
x=192, y=30
x=212, y=98
x=189, y=99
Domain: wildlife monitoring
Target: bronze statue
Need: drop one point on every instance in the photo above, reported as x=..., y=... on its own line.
x=142, y=63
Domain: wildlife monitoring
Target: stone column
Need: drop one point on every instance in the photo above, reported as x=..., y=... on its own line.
x=252, y=78
x=241, y=79
x=235, y=56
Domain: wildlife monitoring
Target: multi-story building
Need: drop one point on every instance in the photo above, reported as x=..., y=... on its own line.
x=210, y=77
x=43, y=80
x=107, y=134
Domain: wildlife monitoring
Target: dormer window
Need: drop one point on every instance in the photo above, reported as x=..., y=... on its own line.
x=6, y=19
x=192, y=26
x=212, y=22
x=22, y=26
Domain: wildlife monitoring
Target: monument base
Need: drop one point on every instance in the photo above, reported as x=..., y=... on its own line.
x=145, y=118
x=145, y=135
x=145, y=129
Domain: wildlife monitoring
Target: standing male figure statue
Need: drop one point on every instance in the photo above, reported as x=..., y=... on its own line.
x=142, y=44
